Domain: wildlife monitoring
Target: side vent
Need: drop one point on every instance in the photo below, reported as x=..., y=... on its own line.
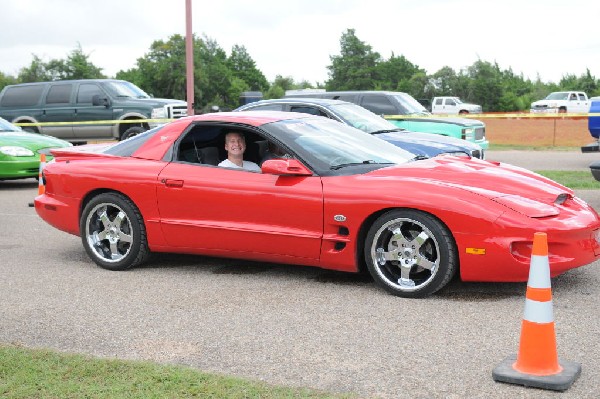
x=339, y=246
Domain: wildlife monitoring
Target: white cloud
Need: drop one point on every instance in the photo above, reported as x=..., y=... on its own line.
x=296, y=38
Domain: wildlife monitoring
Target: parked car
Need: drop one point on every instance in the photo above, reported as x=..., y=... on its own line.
x=404, y=111
x=453, y=106
x=85, y=101
x=20, y=151
x=562, y=102
x=345, y=200
x=424, y=144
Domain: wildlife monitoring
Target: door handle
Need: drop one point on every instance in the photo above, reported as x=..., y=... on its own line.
x=173, y=183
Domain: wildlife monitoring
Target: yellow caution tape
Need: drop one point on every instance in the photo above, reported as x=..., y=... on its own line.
x=136, y=121
x=498, y=116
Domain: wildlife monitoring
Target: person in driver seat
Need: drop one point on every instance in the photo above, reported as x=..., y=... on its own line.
x=235, y=145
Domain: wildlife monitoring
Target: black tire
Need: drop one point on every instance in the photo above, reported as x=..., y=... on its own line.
x=113, y=232
x=30, y=129
x=410, y=253
x=132, y=131
x=463, y=112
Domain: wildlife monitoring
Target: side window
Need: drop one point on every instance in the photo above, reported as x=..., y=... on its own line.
x=450, y=101
x=438, y=101
x=351, y=98
x=267, y=107
x=573, y=97
x=22, y=96
x=307, y=110
x=378, y=104
x=581, y=97
x=86, y=92
x=59, y=94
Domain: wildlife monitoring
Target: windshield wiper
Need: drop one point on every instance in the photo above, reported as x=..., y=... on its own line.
x=419, y=158
x=343, y=165
x=388, y=131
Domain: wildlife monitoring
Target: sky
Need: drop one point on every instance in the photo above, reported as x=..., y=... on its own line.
x=296, y=38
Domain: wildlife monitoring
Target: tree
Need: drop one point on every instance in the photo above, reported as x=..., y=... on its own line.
x=356, y=66
x=6, y=80
x=244, y=67
x=396, y=73
x=75, y=66
x=35, y=72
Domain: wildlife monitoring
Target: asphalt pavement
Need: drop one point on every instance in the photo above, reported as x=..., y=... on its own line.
x=288, y=325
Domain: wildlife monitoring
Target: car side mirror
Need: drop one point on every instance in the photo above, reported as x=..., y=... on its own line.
x=285, y=167
x=97, y=100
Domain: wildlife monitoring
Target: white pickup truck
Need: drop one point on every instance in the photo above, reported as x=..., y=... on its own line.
x=562, y=102
x=453, y=105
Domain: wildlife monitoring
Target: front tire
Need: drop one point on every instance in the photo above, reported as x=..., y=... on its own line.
x=113, y=232
x=410, y=253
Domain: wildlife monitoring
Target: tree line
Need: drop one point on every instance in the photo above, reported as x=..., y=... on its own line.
x=220, y=79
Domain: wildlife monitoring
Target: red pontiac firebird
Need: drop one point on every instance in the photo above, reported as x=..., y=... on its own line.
x=338, y=199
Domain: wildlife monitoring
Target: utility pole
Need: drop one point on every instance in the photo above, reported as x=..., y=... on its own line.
x=189, y=58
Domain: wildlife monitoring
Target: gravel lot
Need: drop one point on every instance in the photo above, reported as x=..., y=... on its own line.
x=284, y=324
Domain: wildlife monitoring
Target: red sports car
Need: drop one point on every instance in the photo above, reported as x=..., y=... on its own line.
x=338, y=199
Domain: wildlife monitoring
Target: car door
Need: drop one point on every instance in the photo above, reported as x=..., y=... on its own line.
x=213, y=208
x=58, y=108
x=86, y=112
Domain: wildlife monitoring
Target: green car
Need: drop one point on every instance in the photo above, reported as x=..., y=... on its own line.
x=20, y=151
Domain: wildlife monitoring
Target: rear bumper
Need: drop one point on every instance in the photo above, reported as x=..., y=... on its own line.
x=61, y=213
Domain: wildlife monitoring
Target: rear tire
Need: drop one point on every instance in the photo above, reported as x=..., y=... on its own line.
x=113, y=232
x=132, y=131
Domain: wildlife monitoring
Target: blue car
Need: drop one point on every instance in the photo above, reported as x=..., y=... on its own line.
x=421, y=144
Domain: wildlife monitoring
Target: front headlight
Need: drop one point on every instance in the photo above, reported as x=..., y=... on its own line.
x=468, y=133
x=158, y=113
x=15, y=151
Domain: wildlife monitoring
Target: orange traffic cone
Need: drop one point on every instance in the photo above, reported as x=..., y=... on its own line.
x=536, y=364
x=41, y=187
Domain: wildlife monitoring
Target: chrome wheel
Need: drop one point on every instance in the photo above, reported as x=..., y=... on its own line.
x=410, y=253
x=109, y=232
x=113, y=232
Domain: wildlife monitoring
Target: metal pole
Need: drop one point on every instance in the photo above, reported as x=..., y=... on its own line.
x=189, y=57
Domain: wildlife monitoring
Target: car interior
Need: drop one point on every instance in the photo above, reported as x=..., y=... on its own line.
x=206, y=145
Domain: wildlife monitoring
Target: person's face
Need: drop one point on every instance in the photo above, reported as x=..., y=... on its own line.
x=235, y=144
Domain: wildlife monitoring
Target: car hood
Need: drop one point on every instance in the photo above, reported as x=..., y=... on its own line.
x=514, y=187
x=427, y=144
x=456, y=121
x=31, y=140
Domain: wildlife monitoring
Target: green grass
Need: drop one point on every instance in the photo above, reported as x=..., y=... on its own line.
x=574, y=179
x=32, y=373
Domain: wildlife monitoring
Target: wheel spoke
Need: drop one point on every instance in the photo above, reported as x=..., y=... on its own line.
x=125, y=237
x=103, y=217
x=119, y=219
x=425, y=263
x=114, y=250
x=100, y=235
x=383, y=256
x=420, y=240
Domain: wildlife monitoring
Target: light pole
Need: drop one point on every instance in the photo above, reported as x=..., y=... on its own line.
x=189, y=57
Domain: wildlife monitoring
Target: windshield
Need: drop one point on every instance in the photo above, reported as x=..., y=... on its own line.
x=329, y=145
x=363, y=119
x=560, y=95
x=410, y=105
x=125, y=89
x=6, y=126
